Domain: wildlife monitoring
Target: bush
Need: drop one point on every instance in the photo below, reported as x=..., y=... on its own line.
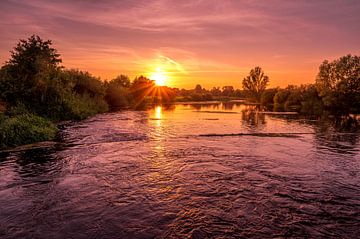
x=267, y=98
x=338, y=84
x=79, y=107
x=117, y=94
x=280, y=99
x=33, y=78
x=25, y=129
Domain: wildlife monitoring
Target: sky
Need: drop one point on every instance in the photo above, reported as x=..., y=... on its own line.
x=188, y=42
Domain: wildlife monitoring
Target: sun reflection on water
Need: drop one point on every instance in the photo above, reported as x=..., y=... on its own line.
x=158, y=112
x=162, y=167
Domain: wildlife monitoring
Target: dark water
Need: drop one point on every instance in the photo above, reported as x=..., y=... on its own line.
x=215, y=171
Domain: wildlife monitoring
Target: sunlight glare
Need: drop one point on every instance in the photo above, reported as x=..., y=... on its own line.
x=159, y=77
x=158, y=112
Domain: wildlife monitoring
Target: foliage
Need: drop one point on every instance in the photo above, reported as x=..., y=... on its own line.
x=255, y=83
x=22, y=76
x=294, y=99
x=198, y=89
x=312, y=103
x=84, y=96
x=144, y=91
x=2, y=106
x=228, y=91
x=215, y=91
x=267, y=97
x=25, y=129
x=142, y=88
x=280, y=99
x=303, y=99
x=338, y=83
x=117, y=93
x=33, y=78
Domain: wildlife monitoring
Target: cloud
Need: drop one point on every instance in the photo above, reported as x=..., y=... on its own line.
x=195, y=38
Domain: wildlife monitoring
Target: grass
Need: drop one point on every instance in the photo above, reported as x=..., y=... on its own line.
x=25, y=129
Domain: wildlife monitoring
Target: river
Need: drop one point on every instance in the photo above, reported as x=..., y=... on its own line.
x=186, y=171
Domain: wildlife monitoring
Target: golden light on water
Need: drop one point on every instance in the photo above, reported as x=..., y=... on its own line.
x=158, y=111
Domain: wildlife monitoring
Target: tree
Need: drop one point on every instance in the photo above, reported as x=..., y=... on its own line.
x=34, y=80
x=122, y=81
x=228, y=90
x=198, y=89
x=117, y=92
x=142, y=88
x=280, y=99
x=338, y=83
x=311, y=104
x=23, y=77
x=267, y=97
x=255, y=83
x=215, y=91
x=34, y=53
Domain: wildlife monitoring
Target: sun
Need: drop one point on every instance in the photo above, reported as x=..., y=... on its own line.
x=159, y=77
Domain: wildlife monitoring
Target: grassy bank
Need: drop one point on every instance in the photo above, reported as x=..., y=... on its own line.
x=25, y=129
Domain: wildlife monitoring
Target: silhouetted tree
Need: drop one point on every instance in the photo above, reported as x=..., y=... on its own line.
x=338, y=83
x=121, y=80
x=267, y=97
x=198, y=89
x=255, y=83
x=34, y=79
x=280, y=99
x=117, y=92
x=215, y=91
x=23, y=77
x=142, y=89
x=228, y=91
x=312, y=103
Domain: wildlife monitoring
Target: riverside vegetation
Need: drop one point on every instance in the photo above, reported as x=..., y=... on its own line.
x=36, y=92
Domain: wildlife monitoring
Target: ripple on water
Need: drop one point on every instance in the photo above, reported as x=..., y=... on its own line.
x=182, y=174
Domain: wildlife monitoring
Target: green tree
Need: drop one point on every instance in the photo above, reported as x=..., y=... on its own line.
x=117, y=92
x=280, y=99
x=255, y=83
x=294, y=99
x=311, y=103
x=267, y=97
x=22, y=77
x=121, y=80
x=338, y=83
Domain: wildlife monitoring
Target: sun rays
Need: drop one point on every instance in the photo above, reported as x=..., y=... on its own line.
x=159, y=76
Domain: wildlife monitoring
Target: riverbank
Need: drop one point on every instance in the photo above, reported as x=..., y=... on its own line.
x=26, y=128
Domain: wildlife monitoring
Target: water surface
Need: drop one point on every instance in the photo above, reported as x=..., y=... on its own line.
x=186, y=171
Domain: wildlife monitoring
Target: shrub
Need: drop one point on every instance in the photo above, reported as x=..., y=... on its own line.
x=117, y=94
x=280, y=99
x=267, y=98
x=79, y=107
x=338, y=84
x=25, y=129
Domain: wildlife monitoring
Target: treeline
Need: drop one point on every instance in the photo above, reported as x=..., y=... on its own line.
x=35, y=91
x=201, y=94
x=336, y=90
x=304, y=99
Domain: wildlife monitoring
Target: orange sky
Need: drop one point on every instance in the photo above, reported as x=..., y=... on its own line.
x=210, y=42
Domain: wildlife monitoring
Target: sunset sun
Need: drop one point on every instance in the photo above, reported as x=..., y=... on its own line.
x=159, y=77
